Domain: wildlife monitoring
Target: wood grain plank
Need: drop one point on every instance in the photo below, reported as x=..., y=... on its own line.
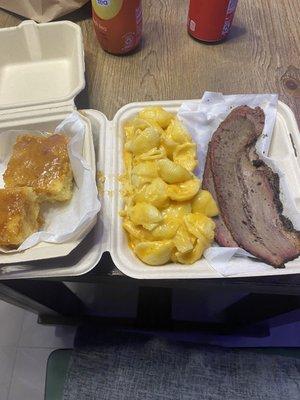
x=261, y=55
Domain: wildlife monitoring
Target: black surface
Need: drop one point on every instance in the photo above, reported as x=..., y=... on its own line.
x=106, y=271
x=154, y=307
x=53, y=295
x=254, y=308
x=266, y=297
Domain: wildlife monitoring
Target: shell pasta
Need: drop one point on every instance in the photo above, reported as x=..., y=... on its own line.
x=166, y=215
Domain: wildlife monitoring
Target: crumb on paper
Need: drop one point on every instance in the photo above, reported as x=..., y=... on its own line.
x=100, y=182
x=121, y=178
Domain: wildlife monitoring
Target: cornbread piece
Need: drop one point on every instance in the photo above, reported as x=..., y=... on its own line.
x=19, y=215
x=41, y=163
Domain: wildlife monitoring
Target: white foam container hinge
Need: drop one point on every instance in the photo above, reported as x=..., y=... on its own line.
x=54, y=51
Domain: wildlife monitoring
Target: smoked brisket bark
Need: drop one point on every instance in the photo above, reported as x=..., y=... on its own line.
x=247, y=190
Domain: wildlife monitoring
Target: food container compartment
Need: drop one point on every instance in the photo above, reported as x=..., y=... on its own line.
x=48, y=250
x=81, y=256
x=285, y=145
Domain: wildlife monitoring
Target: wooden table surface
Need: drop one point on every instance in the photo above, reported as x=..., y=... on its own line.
x=261, y=55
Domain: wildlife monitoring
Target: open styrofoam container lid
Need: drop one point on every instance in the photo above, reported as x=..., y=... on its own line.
x=43, y=64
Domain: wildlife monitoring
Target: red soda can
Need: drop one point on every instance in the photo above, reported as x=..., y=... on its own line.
x=210, y=20
x=118, y=24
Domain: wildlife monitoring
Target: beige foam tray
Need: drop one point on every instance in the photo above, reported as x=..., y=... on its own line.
x=41, y=73
x=286, y=135
x=49, y=250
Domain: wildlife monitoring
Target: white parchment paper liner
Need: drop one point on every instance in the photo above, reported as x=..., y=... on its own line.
x=202, y=118
x=66, y=221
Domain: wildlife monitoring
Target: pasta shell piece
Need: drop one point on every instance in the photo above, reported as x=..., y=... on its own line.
x=174, y=256
x=177, y=132
x=184, y=191
x=129, y=132
x=136, y=123
x=183, y=241
x=194, y=255
x=136, y=231
x=200, y=225
x=154, y=154
x=177, y=210
x=139, y=123
x=171, y=172
x=128, y=161
x=185, y=155
x=147, y=169
x=168, y=143
x=154, y=253
x=128, y=201
x=143, y=172
x=143, y=141
x=154, y=193
x=145, y=214
x=150, y=227
x=166, y=229
x=139, y=181
x=155, y=125
x=205, y=204
x=158, y=114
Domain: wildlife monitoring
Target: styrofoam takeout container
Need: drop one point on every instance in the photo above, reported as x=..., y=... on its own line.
x=41, y=111
x=38, y=82
x=46, y=250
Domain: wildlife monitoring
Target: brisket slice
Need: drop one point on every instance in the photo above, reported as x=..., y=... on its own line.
x=247, y=190
x=222, y=233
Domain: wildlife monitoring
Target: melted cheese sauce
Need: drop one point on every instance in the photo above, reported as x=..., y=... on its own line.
x=167, y=216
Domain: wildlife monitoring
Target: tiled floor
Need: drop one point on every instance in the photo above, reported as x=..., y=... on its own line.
x=24, y=350
x=26, y=345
